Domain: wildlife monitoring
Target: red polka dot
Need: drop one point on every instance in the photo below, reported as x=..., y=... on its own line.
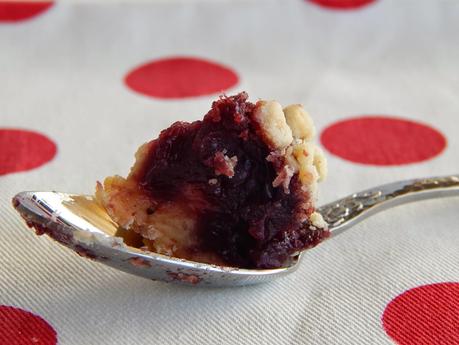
x=181, y=77
x=20, y=327
x=380, y=140
x=14, y=11
x=342, y=4
x=427, y=315
x=22, y=150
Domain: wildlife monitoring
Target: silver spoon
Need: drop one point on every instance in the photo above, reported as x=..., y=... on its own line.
x=79, y=223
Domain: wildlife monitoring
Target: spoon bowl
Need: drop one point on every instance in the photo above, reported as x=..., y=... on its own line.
x=79, y=223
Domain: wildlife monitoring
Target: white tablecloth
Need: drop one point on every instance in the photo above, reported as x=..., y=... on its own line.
x=62, y=75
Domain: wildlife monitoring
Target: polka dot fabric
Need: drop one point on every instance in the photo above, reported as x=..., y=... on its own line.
x=382, y=140
x=180, y=77
x=22, y=150
x=83, y=85
x=16, y=11
x=20, y=327
x=427, y=314
x=342, y=4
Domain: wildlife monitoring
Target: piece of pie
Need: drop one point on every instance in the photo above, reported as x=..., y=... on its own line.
x=236, y=189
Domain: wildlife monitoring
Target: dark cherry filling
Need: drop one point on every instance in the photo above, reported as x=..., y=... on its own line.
x=248, y=222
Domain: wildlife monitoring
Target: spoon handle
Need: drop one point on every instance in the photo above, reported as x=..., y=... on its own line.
x=344, y=213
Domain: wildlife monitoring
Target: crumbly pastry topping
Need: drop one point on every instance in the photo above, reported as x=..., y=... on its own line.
x=273, y=125
x=317, y=220
x=290, y=133
x=300, y=122
x=237, y=188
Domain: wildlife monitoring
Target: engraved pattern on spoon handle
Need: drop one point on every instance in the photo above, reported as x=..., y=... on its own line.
x=343, y=213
